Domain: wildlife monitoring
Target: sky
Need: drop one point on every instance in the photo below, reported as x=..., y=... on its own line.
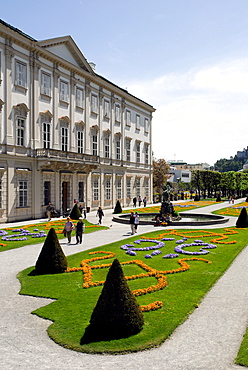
x=188, y=59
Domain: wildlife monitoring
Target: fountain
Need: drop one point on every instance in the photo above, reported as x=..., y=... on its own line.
x=185, y=219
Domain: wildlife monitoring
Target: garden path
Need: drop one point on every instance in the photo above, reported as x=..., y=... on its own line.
x=208, y=340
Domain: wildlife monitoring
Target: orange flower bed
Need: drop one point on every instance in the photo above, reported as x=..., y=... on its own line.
x=200, y=234
x=150, y=272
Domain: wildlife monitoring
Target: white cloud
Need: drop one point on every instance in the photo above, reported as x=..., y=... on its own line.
x=201, y=115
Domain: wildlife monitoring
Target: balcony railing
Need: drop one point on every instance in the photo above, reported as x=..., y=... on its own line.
x=71, y=156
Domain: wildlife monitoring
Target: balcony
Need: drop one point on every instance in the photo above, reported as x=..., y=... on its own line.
x=58, y=160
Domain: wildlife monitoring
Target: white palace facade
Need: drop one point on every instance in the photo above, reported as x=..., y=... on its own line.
x=67, y=134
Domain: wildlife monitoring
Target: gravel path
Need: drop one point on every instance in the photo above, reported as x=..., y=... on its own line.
x=208, y=340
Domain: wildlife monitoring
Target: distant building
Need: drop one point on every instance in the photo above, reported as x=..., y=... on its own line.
x=180, y=165
x=243, y=154
x=67, y=134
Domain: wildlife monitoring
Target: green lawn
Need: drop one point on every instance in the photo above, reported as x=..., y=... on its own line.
x=58, y=225
x=73, y=305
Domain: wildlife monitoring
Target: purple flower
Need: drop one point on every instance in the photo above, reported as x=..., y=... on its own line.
x=148, y=256
x=155, y=253
x=132, y=248
x=204, y=246
x=171, y=255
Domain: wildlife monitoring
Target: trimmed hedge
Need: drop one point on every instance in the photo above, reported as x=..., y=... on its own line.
x=51, y=259
x=117, y=313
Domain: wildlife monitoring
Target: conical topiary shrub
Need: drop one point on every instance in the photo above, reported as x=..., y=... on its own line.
x=118, y=208
x=51, y=259
x=218, y=199
x=75, y=212
x=242, y=220
x=117, y=313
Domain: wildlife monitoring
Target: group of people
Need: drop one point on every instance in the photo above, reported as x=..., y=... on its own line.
x=139, y=201
x=134, y=222
x=163, y=219
x=69, y=226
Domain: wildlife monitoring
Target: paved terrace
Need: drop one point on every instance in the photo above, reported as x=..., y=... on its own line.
x=208, y=340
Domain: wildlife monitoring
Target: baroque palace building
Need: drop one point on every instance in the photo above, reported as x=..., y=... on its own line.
x=67, y=134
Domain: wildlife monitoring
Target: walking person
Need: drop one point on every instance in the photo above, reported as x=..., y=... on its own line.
x=139, y=200
x=144, y=201
x=100, y=215
x=131, y=221
x=49, y=210
x=68, y=228
x=136, y=222
x=134, y=201
x=79, y=231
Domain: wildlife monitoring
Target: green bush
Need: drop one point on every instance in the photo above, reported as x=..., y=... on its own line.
x=118, y=208
x=75, y=213
x=51, y=259
x=242, y=220
x=117, y=313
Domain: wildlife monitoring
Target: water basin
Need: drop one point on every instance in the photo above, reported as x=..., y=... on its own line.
x=187, y=219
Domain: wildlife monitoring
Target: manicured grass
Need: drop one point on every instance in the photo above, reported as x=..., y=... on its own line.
x=178, y=207
x=58, y=225
x=74, y=304
x=242, y=358
x=232, y=210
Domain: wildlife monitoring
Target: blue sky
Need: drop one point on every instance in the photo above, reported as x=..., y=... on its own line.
x=189, y=59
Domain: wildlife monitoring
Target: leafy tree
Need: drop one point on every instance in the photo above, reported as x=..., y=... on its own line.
x=51, y=259
x=161, y=170
x=117, y=313
x=196, y=181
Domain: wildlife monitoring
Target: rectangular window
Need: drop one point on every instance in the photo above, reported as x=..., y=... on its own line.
x=46, y=136
x=64, y=139
x=20, y=131
x=118, y=149
x=79, y=98
x=106, y=147
x=146, y=154
x=80, y=141
x=128, y=184
x=117, y=113
x=128, y=118
x=137, y=122
x=22, y=193
x=47, y=192
x=64, y=91
x=128, y=150
x=146, y=126
x=81, y=191
x=137, y=152
x=108, y=190
x=147, y=188
x=185, y=174
x=138, y=187
x=106, y=108
x=94, y=144
x=21, y=74
x=94, y=104
x=95, y=190
x=119, y=196
x=45, y=84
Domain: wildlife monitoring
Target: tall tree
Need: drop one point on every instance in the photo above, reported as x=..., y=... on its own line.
x=161, y=173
